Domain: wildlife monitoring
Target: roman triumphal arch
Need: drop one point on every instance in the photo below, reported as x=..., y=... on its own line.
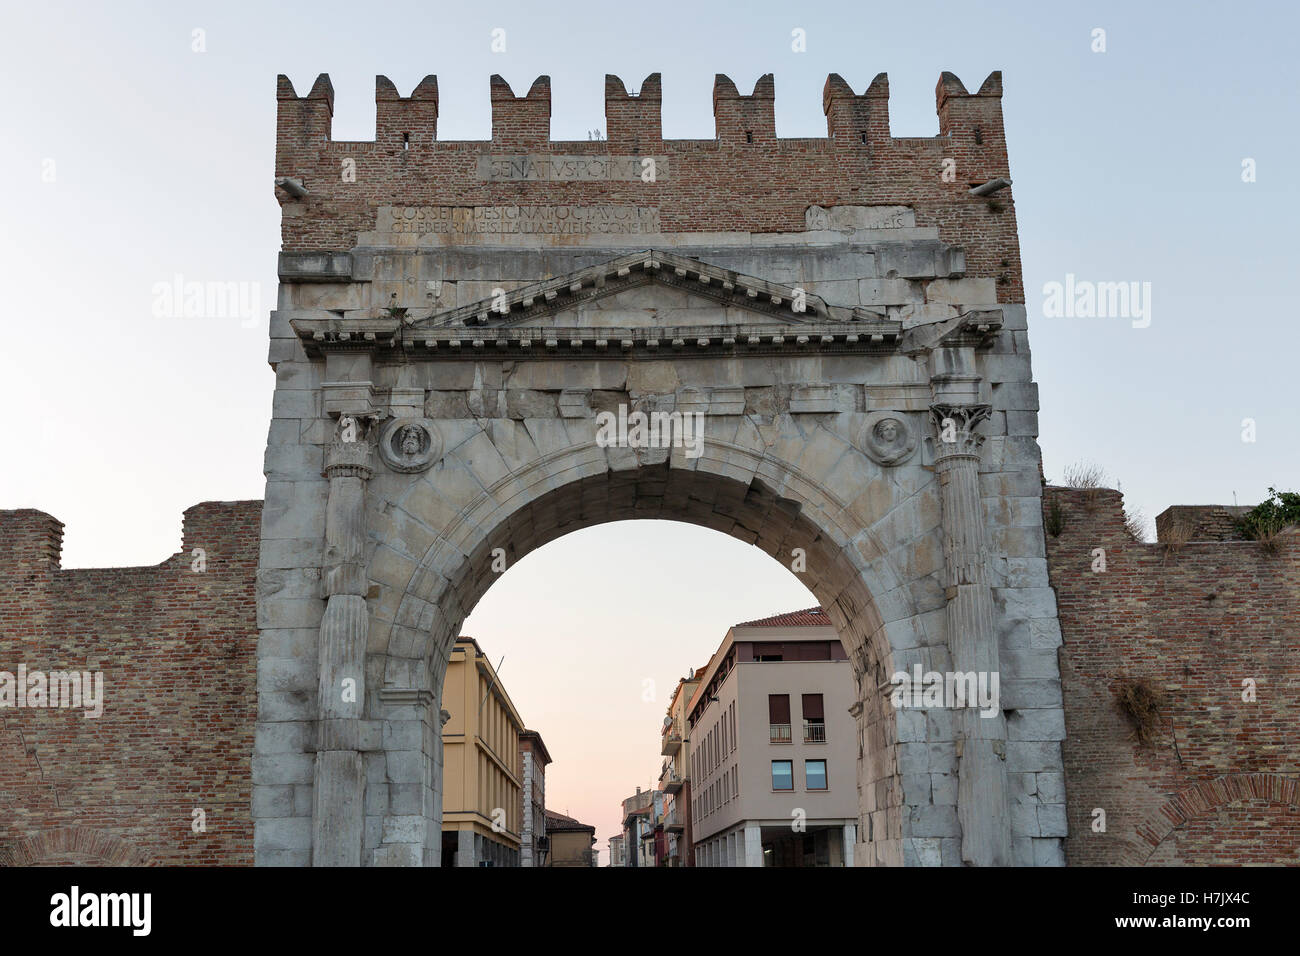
x=826, y=342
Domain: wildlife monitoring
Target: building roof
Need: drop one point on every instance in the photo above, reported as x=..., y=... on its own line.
x=558, y=821
x=533, y=737
x=639, y=812
x=808, y=617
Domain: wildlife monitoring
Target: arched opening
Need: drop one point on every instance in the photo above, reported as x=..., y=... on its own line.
x=836, y=548
x=597, y=640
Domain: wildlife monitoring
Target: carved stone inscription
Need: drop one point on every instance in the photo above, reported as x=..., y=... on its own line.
x=851, y=218
x=548, y=168
x=518, y=220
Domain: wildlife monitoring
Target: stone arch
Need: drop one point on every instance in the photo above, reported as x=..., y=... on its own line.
x=853, y=546
x=1205, y=797
x=848, y=433
x=76, y=846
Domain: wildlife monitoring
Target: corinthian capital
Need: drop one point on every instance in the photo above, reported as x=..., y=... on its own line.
x=955, y=426
x=348, y=455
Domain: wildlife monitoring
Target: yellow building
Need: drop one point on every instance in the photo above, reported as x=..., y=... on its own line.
x=572, y=843
x=481, y=773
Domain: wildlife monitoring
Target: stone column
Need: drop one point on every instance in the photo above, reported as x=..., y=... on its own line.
x=338, y=813
x=466, y=844
x=982, y=808
x=753, y=845
x=850, y=840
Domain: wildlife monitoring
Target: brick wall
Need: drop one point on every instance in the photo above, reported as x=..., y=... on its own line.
x=1218, y=782
x=177, y=649
x=1216, y=785
x=744, y=179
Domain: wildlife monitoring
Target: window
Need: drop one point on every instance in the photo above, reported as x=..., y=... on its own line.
x=782, y=775
x=733, y=724
x=778, y=718
x=814, y=719
x=814, y=774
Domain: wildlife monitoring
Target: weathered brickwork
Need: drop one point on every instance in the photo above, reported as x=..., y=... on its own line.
x=1218, y=787
x=1218, y=784
x=745, y=179
x=177, y=649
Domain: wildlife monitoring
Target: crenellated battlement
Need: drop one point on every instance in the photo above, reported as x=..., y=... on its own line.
x=408, y=188
x=851, y=119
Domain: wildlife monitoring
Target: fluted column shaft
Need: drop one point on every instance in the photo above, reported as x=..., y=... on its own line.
x=338, y=813
x=982, y=807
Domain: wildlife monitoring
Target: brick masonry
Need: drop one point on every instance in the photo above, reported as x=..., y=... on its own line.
x=746, y=179
x=177, y=649
x=1218, y=782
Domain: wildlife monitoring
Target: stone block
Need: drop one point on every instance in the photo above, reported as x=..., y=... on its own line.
x=1052, y=820
x=1048, y=852
x=965, y=292
x=935, y=821
x=1045, y=724
x=272, y=801
x=408, y=828
x=282, y=833
x=1051, y=787
x=1033, y=756
x=399, y=854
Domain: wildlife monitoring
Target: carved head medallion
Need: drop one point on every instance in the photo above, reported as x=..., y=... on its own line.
x=887, y=438
x=410, y=444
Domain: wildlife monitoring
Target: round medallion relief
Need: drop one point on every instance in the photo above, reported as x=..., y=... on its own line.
x=410, y=444
x=887, y=438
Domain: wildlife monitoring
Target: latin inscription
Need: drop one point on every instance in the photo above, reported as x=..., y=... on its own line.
x=518, y=220
x=850, y=218
x=548, y=168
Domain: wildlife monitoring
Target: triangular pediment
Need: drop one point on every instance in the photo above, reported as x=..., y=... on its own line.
x=648, y=289
x=638, y=304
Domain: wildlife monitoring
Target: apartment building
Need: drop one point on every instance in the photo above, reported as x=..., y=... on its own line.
x=674, y=827
x=533, y=758
x=617, y=851
x=638, y=827
x=482, y=803
x=773, y=747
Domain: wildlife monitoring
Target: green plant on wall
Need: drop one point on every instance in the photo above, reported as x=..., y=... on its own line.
x=1279, y=510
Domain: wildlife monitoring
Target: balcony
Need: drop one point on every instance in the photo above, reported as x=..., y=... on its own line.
x=814, y=732
x=674, y=821
x=671, y=744
x=779, y=733
x=674, y=782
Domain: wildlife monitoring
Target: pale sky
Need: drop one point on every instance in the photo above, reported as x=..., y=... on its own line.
x=131, y=159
